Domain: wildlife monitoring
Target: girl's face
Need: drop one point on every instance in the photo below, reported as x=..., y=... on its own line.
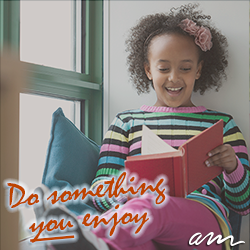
x=173, y=68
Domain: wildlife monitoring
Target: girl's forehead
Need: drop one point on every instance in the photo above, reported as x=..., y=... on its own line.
x=171, y=46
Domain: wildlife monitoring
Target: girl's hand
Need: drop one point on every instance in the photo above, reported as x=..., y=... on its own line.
x=223, y=156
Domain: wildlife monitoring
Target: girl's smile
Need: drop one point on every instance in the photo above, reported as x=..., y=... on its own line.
x=173, y=67
x=174, y=91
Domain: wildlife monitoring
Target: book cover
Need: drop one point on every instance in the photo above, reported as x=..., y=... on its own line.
x=184, y=167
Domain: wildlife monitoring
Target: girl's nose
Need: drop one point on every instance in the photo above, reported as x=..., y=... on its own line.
x=173, y=76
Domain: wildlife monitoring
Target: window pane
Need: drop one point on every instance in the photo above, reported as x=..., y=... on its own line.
x=35, y=125
x=47, y=33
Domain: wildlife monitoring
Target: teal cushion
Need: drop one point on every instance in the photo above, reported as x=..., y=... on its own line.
x=71, y=159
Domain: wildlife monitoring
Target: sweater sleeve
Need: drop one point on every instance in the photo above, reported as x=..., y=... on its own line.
x=113, y=153
x=236, y=184
x=232, y=189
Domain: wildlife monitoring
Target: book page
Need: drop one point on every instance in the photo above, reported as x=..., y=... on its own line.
x=153, y=144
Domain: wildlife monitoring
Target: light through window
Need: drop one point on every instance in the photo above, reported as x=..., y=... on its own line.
x=48, y=33
x=35, y=125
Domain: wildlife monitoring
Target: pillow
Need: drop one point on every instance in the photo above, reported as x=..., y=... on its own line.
x=71, y=158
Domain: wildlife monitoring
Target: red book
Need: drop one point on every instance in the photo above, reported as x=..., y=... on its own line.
x=185, y=168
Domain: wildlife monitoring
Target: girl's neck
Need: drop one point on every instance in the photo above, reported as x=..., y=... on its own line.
x=189, y=105
x=193, y=109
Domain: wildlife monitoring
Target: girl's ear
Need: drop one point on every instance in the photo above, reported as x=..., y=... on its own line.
x=199, y=69
x=147, y=71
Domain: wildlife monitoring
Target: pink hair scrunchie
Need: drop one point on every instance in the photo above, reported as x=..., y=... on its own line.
x=202, y=34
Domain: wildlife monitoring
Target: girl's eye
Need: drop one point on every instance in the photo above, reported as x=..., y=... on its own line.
x=163, y=70
x=185, y=69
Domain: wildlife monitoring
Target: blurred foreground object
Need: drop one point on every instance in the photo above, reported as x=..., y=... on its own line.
x=12, y=80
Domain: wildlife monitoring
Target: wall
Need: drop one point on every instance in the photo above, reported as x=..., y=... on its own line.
x=232, y=17
x=229, y=16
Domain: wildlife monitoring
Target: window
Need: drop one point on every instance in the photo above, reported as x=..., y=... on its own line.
x=47, y=33
x=82, y=80
x=35, y=125
x=64, y=63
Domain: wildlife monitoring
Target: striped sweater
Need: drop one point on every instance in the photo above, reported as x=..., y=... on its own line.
x=175, y=126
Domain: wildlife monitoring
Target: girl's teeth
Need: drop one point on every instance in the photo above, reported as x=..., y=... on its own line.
x=174, y=89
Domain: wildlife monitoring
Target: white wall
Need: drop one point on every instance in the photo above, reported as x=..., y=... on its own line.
x=231, y=17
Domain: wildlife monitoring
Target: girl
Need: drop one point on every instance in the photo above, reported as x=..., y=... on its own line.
x=175, y=53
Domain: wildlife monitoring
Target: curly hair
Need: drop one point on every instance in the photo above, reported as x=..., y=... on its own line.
x=138, y=43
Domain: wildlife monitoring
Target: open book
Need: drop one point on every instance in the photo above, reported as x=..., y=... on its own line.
x=184, y=167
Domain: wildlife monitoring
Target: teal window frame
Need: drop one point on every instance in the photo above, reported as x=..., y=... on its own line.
x=50, y=81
